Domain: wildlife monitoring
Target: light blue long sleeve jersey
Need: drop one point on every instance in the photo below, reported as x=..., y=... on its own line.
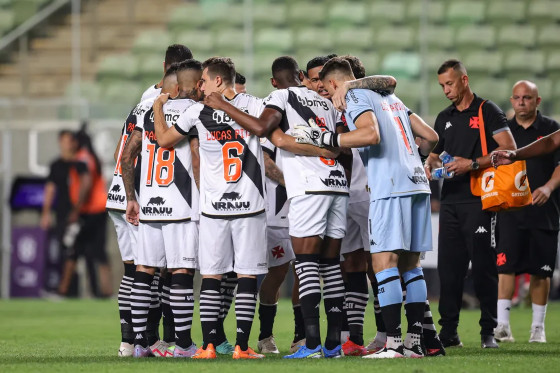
x=394, y=167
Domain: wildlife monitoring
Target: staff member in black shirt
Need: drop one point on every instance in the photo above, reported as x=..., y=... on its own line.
x=529, y=237
x=466, y=231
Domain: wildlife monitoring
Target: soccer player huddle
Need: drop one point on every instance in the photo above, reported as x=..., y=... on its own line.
x=234, y=186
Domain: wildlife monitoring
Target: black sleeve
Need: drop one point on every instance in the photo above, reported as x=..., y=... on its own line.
x=193, y=132
x=53, y=171
x=81, y=167
x=438, y=127
x=495, y=120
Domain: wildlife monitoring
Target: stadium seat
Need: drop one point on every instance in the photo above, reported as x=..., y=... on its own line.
x=313, y=37
x=269, y=15
x=150, y=69
x=6, y=20
x=435, y=11
x=279, y=40
x=199, y=41
x=87, y=90
x=230, y=40
x=25, y=9
x=497, y=90
x=549, y=37
x=438, y=37
x=475, y=37
x=410, y=92
x=397, y=38
x=543, y=12
x=347, y=14
x=465, y=12
x=118, y=66
x=262, y=63
x=187, y=16
x=359, y=39
x=482, y=63
x=523, y=65
x=436, y=99
x=307, y=13
x=434, y=59
x=518, y=36
x=122, y=92
x=150, y=42
x=553, y=65
x=260, y=87
x=382, y=12
x=371, y=62
x=401, y=65
x=502, y=12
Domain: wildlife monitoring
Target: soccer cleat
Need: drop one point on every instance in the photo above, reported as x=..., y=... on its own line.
x=537, y=334
x=296, y=345
x=412, y=346
x=387, y=353
x=344, y=335
x=208, y=353
x=238, y=353
x=377, y=344
x=224, y=348
x=452, y=341
x=502, y=333
x=126, y=349
x=433, y=345
x=184, y=352
x=268, y=346
x=161, y=349
x=335, y=353
x=140, y=351
x=352, y=349
x=306, y=353
x=488, y=341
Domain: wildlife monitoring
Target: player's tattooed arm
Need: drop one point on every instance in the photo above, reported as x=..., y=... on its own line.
x=385, y=83
x=272, y=171
x=195, y=155
x=131, y=150
x=166, y=136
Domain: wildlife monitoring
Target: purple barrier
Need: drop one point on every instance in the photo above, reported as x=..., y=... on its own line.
x=28, y=261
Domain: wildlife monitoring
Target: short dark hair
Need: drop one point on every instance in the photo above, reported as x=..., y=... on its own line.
x=357, y=66
x=452, y=64
x=318, y=61
x=190, y=64
x=240, y=79
x=171, y=70
x=66, y=132
x=177, y=53
x=336, y=64
x=222, y=66
x=284, y=63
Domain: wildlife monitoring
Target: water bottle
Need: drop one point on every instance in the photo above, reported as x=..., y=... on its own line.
x=71, y=234
x=445, y=157
x=442, y=173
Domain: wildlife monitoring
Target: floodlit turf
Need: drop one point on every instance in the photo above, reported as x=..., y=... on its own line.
x=75, y=336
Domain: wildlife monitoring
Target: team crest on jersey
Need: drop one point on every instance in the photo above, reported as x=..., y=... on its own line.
x=156, y=206
x=419, y=176
x=336, y=179
x=231, y=201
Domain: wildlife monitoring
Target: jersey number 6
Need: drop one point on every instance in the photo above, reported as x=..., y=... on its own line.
x=231, y=152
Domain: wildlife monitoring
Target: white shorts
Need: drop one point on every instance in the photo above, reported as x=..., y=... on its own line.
x=318, y=215
x=237, y=245
x=357, y=236
x=127, y=235
x=279, y=247
x=401, y=223
x=170, y=245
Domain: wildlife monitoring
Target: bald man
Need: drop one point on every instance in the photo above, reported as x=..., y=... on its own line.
x=528, y=238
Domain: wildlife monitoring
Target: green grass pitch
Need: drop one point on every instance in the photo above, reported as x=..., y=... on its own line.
x=83, y=335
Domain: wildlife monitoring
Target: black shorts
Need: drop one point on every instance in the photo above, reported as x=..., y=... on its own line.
x=91, y=239
x=530, y=251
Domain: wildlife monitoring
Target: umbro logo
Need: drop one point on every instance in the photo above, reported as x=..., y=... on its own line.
x=335, y=309
x=239, y=330
x=418, y=324
x=481, y=229
x=447, y=125
x=546, y=268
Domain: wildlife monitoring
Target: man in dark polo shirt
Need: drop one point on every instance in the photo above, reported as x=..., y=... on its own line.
x=528, y=238
x=466, y=231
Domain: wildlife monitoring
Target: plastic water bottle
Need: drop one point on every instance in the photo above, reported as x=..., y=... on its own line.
x=442, y=173
x=445, y=158
x=71, y=234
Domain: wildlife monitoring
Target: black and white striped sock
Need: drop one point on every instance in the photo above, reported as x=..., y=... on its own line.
x=227, y=291
x=182, y=304
x=167, y=321
x=210, y=299
x=379, y=324
x=125, y=287
x=154, y=315
x=356, y=300
x=140, y=297
x=307, y=270
x=245, y=305
x=333, y=297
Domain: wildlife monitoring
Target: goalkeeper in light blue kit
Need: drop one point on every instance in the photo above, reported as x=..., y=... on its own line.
x=399, y=214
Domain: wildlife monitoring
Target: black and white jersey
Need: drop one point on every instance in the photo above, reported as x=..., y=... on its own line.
x=151, y=92
x=116, y=197
x=277, y=203
x=307, y=175
x=168, y=191
x=231, y=160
